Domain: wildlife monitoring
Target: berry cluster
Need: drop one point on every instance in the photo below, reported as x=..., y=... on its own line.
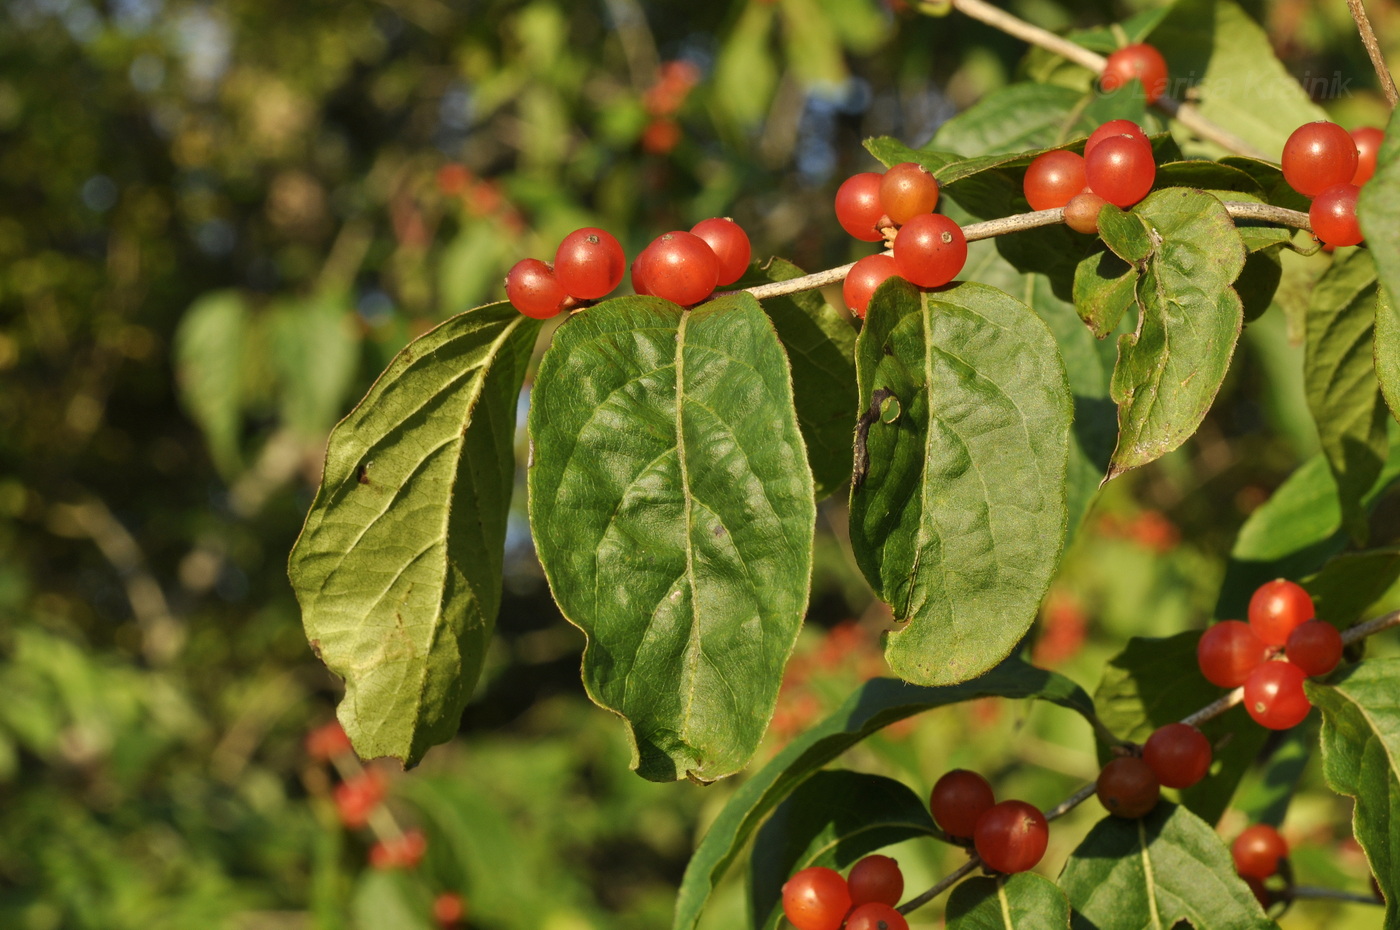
x=1233, y=653
x=683, y=267
x=929, y=249
x=1326, y=163
x=818, y=898
x=1176, y=756
x=1009, y=836
x=1117, y=167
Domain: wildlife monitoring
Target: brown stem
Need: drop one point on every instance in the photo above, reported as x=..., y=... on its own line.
x=1373, y=48
x=1331, y=894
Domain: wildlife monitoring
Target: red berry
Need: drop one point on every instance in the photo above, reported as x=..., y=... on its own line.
x=1257, y=851
x=1368, y=141
x=1318, y=155
x=1274, y=695
x=449, y=909
x=589, y=263
x=1127, y=787
x=730, y=244
x=1178, y=753
x=533, y=289
x=1315, y=646
x=327, y=741
x=1256, y=888
x=876, y=916
x=1333, y=215
x=679, y=267
x=862, y=280
x=1120, y=169
x=1011, y=836
x=1228, y=652
x=1136, y=61
x=639, y=283
x=858, y=207
x=906, y=191
x=1115, y=127
x=816, y=899
x=1276, y=607
x=876, y=878
x=403, y=852
x=1052, y=179
x=959, y=798
x=357, y=798
x=930, y=250
x=1082, y=212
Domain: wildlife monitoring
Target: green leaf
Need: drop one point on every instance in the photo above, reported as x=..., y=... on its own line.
x=1349, y=583
x=1267, y=799
x=209, y=358
x=1105, y=287
x=1015, y=118
x=1188, y=253
x=1169, y=866
x=398, y=569
x=1387, y=349
x=1339, y=373
x=1378, y=209
x=673, y=511
x=821, y=347
x=1361, y=757
x=315, y=353
x=876, y=704
x=1153, y=682
x=1025, y=901
x=831, y=820
x=746, y=70
x=960, y=515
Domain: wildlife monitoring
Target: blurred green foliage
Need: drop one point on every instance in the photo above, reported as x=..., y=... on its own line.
x=217, y=223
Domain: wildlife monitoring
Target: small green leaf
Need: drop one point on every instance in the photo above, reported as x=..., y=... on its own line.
x=958, y=507
x=1339, y=373
x=398, y=569
x=315, y=353
x=1170, y=369
x=746, y=70
x=1169, y=866
x=1015, y=118
x=876, y=704
x=1387, y=349
x=209, y=360
x=1105, y=287
x=1025, y=901
x=1278, y=775
x=673, y=512
x=1349, y=583
x=1378, y=209
x=831, y=820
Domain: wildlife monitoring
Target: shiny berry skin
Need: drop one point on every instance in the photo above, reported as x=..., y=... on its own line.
x=533, y=289
x=1228, y=652
x=862, y=281
x=589, y=263
x=1082, y=212
x=1179, y=754
x=930, y=250
x=1315, y=646
x=730, y=244
x=958, y=799
x=679, y=267
x=1115, y=127
x=875, y=878
x=1368, y=141
x=1276, y=607
x=1120, y=169
x=1136, y=61
x=1258, y=850
x=1011, y=836
x=1318, y=155
x=876, y=916
x=1274, y=695
x=816, y=899
x=1052, y=179
x=639, y=283
x=1333, y=215
x=1127, y=787
x=858, y=207
x=906, y=191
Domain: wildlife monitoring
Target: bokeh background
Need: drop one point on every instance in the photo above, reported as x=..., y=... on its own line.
x=219, y=220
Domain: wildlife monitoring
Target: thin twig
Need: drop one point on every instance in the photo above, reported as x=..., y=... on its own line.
x=1371, y=627
x=1373, y=48
x=1331, y=894
x=947, y=882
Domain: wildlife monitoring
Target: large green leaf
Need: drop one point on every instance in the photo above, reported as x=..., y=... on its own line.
x=877, y=704
x=959, y=519
x=673, y=512
x=1378, y=209
x=1025, y=901
x=1169, y=866
x=1361, y=758
x=1349, y=583
x=1339, y=373
x=1387, y=348
x=1188, y=253
x=832, y=819
x=209, y=370
x=398, y=569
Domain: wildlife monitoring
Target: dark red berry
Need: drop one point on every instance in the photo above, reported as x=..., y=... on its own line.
x=730, y=244
x=533, y=289
x=1274, y=695
x=1179, y=754
x=1315, y=646
x=1228, y=652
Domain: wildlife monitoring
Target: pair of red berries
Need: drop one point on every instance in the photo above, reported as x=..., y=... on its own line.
x=818, y=898
x=588, y=264
x=1176, y=755
x=1233, y=653
x=1117, y=167
x=1323, y=161
x=1009, y=836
